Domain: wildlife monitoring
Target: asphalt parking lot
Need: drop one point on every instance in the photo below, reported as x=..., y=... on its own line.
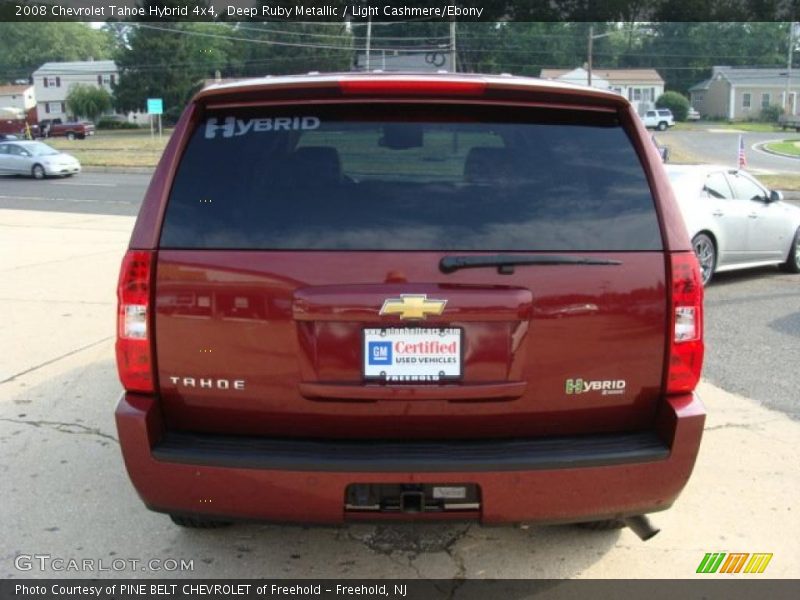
x=66, y=494
x=753, y=336
x=98, y=193
x=720, y=146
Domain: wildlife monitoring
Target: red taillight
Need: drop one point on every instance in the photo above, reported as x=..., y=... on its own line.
x=408, y=87
x=686, y=325
x=134, y=362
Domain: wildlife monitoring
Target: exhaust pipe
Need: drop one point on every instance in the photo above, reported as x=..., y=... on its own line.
x=641, y=526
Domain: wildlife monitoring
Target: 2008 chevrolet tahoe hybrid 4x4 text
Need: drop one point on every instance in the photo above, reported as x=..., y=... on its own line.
x=433, y=296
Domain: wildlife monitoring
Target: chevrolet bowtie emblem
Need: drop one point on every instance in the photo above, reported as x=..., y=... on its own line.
x=412, y=306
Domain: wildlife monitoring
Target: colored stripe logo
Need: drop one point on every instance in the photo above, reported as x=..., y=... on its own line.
x=734, y=562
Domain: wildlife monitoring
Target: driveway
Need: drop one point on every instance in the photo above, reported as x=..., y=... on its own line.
x=721, y=146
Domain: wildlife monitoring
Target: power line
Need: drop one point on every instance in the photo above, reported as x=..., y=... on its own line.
x=277, y=43
x=423, y=49
x=239, y=27
x=241, y=39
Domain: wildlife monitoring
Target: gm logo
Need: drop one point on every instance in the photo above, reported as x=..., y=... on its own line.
x=380, y=353
x=734, y=562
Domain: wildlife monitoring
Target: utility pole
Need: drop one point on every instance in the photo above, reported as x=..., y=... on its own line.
x=592, y=38
x=453, y=68
x=788, y=110
x=589, y=56
x=369, y=39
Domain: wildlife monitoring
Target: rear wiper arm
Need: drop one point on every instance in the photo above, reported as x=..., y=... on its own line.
x=505, y=262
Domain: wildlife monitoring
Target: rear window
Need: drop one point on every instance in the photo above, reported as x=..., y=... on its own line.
x=378, y=177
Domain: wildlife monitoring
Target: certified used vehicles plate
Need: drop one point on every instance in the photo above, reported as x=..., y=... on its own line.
x=412, y=353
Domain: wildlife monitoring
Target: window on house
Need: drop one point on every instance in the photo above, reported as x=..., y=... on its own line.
x=745, y=100
x=765, y=100
x=637, y=94
x=54, y=107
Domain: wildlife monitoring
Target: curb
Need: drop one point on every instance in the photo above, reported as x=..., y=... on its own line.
x=120, y=170
x=763, y=147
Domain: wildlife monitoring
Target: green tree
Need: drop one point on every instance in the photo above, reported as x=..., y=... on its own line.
x=683, y=53
x=525, y=48
x=170, y=60
x=88, y=101
x=24, y=47
x=772, y=113
x=285, y=48
x=677, y=103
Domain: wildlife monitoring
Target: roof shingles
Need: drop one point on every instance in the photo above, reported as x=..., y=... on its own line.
x=750, y=76
x=13, y=90
x=77, y=67
x=614, y=76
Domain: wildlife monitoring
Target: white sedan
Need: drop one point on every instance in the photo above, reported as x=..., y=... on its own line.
x=35, y=159
x=734, y=222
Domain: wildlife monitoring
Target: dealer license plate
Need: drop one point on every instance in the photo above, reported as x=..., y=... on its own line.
x=413, y=354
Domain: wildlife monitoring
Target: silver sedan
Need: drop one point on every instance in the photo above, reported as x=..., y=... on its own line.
x=734, y=222
x=35, y=159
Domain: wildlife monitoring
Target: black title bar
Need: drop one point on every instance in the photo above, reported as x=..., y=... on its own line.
x=386, y=589
x=400, y=10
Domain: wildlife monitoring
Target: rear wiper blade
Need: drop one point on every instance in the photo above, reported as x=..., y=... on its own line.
x=505, y=262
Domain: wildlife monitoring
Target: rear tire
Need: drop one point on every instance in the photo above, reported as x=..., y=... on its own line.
x=70, y=136
x=792, y=264
x=662, y=125
x=605, y=525
x=706, y=253
x=37, y=172
x=198, y=522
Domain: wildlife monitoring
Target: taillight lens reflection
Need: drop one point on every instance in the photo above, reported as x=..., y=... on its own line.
x=686, y=344
x=134, y=362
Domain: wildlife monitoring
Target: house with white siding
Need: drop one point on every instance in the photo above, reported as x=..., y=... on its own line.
x=21, y=97
x=641, y=86
x=53, y=80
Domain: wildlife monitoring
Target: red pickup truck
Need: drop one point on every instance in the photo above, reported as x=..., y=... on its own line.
x=374, y=296
x=70, y=130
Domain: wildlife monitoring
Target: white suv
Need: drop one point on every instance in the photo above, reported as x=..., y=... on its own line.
x=658, y=119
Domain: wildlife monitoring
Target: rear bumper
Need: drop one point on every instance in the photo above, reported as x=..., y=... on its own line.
x=553, y=480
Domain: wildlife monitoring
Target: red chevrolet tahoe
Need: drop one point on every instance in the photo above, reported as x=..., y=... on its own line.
x=375, y=296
